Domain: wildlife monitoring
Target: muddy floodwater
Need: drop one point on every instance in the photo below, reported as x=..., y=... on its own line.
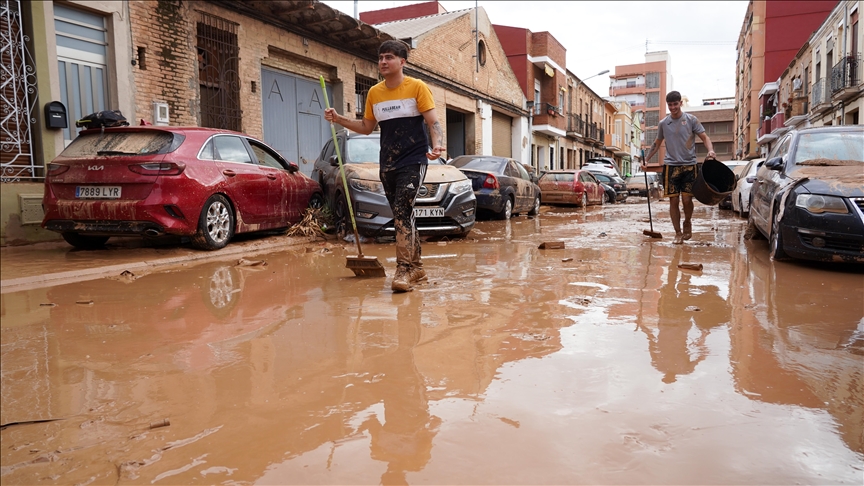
x=602, y=362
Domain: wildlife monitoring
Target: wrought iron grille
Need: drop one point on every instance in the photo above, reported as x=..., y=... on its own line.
x=846, y=73
x=361, y=89
x=218, y=73
x=18, y=99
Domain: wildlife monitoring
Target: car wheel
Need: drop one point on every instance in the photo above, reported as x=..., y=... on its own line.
x=215, y=225
x=605, y=199
x=584, y=202
x=752, y=232
x=507, y=210
x=85, y=242
x=316, y=201
x=776, y=240
x=536, y=208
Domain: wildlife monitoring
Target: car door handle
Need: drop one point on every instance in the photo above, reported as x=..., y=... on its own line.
x=272, y=177
x=229, y=172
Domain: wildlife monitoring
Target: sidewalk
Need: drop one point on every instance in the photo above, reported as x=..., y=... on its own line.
x=46, y=264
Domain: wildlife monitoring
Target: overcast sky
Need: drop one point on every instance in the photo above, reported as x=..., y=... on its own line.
x=699, y=36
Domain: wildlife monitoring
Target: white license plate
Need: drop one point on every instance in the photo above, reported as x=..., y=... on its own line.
x=428, y=212
x=97, y=192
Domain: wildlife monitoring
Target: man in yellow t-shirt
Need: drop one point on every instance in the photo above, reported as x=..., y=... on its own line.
x=404, y=108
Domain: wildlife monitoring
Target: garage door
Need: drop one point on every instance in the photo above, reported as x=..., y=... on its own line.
x=502, y=135
x=294, y=121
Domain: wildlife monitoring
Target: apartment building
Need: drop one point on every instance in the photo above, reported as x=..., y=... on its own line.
x=771, y=35
x=585, y=130
x=644, y=86
x=717, y=116
x=540, y=64
x=823, y=84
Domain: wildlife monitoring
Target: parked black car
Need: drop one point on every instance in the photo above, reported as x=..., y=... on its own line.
x=445, y=205
x=502, y=186
x=808, y=197
x=618, y=185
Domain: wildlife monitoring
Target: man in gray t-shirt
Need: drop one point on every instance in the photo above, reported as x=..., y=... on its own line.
x=679, y=130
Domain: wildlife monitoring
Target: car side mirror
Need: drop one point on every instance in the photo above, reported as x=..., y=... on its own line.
x=751, y=179
x=334, y=160
x=775, y=163
x=293, y=167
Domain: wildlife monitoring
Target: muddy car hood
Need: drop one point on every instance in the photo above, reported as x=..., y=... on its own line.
x=435, y=174
x=847, y=181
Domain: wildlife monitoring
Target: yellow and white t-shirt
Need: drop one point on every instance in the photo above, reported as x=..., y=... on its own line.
x=399, y=112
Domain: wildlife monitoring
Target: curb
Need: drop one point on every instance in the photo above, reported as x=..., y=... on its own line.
x=83, y=275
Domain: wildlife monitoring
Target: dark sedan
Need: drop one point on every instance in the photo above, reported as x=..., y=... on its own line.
x=616, y=183
x=502, y=186
x=808, y=197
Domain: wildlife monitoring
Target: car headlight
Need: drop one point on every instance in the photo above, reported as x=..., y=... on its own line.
x=368, y=186
x=817, y=204
x=460, y=187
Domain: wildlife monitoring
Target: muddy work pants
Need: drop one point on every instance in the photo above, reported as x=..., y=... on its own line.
x=401, y=187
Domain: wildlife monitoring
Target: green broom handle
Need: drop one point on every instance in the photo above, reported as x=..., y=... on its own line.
x=341, y=168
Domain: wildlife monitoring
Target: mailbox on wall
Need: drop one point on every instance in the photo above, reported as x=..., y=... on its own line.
x=55, y=115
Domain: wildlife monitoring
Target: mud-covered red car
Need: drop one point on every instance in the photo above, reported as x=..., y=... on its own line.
x=808, y=196
x=151, y=181
x=572, y=186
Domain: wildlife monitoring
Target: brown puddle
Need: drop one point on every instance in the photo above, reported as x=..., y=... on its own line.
x=508, y=366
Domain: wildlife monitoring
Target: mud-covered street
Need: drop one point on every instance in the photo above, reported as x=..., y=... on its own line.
x=599, y=363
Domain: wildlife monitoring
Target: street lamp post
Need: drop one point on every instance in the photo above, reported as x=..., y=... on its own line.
x=576, y=88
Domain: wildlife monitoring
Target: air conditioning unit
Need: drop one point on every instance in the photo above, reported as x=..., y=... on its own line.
x=161, y=115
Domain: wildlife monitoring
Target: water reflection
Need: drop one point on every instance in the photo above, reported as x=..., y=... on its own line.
x=800, y=338
x=684, y=303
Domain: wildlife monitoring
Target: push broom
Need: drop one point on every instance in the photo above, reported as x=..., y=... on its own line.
x=362, y=266
x=651, y=233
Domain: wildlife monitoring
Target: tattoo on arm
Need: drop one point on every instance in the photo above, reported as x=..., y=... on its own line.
x=437, y=134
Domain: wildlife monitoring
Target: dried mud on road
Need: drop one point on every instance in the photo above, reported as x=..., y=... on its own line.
x=607, y=361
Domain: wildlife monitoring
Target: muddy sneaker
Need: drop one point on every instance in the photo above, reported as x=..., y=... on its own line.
x=688, y=230
x=416, y=274
x=679, y=239
x=401, y=281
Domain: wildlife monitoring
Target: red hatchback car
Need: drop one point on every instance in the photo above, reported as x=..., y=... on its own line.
x=572, y=186
x=199, y=182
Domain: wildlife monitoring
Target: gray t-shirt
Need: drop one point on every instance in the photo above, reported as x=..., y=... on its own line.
x=680, y=135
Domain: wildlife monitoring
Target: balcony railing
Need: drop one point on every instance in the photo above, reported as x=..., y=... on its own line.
x=575, y=124
x=591, y=131
x=846, y=73
x=777, y=121
x=820, y=95
x=552, y=109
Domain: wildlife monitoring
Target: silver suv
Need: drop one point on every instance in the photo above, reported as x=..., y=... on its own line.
x=446, y=205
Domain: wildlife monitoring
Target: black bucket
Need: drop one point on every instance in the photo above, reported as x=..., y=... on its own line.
x=714, y=181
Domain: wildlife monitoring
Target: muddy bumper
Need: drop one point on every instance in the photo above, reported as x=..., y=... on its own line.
x=106, y=228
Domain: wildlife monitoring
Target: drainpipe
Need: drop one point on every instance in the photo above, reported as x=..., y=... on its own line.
x=356, y=10
x=845, y=60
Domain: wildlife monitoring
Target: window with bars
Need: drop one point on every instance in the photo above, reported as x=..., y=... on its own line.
x=218, y=73
x=652, y=80
x=361, y=89
x=650, y=136
x=652, y=99
x=652, y=118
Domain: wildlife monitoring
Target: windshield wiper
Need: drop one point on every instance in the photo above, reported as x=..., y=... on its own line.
x=114, y=152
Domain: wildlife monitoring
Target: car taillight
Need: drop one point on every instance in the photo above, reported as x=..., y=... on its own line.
x=491, y=182
x=158, y=168
x=56, y=169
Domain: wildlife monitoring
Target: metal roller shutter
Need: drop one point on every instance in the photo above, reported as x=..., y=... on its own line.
x=502, y=135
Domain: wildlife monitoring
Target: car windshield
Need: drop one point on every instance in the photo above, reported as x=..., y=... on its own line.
x=484, y=164
x=363, y=150
x=640, y=179
x=830, y=148
x=145, y=142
